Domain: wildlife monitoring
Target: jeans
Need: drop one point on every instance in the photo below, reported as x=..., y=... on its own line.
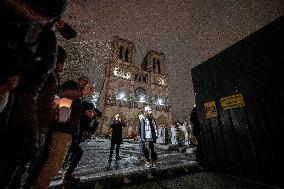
x=149, y=150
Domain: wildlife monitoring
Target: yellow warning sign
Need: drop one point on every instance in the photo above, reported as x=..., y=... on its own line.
x=233, y=101
x=210, y=109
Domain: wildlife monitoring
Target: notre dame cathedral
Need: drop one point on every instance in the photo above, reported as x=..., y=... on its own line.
x=128, y=88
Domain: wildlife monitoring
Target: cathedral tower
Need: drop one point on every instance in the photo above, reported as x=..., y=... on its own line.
x=129, y=88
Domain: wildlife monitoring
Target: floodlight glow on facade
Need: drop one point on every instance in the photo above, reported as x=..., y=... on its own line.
x=160, y=101
x=120, y=96
x=142, y=99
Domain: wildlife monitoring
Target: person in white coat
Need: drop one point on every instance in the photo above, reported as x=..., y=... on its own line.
x=186, y=133
x=173, y=134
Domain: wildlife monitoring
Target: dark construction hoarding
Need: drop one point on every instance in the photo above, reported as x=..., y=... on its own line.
x=239, y=99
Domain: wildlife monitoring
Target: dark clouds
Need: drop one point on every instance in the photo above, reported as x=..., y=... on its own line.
x=188, y=32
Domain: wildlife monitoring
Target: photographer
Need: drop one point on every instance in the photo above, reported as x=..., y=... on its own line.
x=88, y=126
x=116, y=136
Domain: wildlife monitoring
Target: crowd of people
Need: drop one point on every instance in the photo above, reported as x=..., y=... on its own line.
x=177, y=134
x=148, y=133
x=43, y=120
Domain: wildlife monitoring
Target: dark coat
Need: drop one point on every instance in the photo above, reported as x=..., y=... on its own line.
x=45, y=101
x=116, y=136
x=139, y=131
x=87, y=124
x=166, y=135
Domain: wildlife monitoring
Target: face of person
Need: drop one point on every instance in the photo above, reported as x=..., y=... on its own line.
x=149, y=112
x=83, y=82
x=117, y=117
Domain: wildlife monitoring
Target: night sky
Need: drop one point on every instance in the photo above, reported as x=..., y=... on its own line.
x=187, y=31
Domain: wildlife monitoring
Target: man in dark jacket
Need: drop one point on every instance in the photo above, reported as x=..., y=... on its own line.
x=147, y=130
x=87, y=124
x=116, y=137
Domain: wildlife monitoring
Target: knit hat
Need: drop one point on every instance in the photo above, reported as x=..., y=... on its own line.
x=88, y=105
x=70, y=85
x=147, y=108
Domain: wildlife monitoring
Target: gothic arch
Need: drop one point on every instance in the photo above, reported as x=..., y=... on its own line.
x=159, y=66
x=154, y=65
x=120, y=53
x=126, y=55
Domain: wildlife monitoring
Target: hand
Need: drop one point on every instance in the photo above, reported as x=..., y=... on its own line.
x=59, y=24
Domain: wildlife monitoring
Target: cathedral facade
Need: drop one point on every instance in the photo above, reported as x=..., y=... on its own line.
x=129, y=88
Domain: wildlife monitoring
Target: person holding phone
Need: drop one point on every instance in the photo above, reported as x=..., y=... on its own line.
x=116, y=137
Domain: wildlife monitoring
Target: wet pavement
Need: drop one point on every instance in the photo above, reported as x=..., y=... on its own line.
x=202, y=180
x=176, y=169
x=94, y=168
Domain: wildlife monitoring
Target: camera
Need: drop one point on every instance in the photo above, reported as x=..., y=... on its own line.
x=65, y=30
